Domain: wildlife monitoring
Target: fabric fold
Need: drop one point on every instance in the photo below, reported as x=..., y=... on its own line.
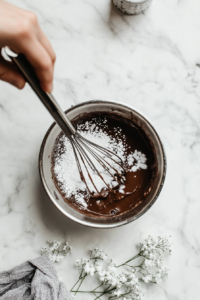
x=35, y=279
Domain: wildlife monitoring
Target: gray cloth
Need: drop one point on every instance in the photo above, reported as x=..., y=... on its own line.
x=35, y=279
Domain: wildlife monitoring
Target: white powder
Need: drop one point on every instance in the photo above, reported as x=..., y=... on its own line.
x=140, y=161
x=65, y=167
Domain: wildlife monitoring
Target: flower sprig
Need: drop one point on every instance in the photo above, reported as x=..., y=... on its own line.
x=125, y=284
x=56, y=251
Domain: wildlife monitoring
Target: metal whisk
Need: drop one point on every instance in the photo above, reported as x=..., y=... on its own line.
x=82, y=146
x=87, y=154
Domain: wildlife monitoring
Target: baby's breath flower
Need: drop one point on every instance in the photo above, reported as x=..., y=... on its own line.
x=153, y=251
x=147, y=278
x=112, y=267
x=165, y=244
x=44, y=250
x=125, y=285
x=122, y=277
x=98, y=266
x=117, y=293
x=89, y=269
x=80, y=263
x=98, y=254
x=55, y=251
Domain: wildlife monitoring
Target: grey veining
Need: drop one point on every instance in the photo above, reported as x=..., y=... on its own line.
x=150, y=61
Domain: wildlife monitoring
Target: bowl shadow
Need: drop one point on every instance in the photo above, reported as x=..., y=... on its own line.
x=51, y=216
x=117, y=20
x=61, y=226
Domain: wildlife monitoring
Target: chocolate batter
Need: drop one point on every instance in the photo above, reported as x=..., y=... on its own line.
x=137, y=185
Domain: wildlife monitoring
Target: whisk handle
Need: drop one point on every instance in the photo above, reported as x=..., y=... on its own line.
x=47, y=99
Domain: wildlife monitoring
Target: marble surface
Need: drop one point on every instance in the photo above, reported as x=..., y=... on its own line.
x=150, y=61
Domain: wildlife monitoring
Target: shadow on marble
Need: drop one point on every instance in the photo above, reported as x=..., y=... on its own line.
x=51, y=216
x=116, y=17
x=58, y=224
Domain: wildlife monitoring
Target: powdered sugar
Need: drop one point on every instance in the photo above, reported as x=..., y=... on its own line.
x=65, y=167
x=140, y=161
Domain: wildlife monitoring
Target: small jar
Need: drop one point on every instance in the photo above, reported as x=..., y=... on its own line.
x=132, y=7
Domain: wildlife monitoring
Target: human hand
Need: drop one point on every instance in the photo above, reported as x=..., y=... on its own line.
x=19, y=30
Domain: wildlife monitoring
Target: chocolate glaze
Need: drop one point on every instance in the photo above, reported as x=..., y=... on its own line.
x=138, y=184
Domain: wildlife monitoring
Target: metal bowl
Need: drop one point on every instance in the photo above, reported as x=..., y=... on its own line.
x=53, y=193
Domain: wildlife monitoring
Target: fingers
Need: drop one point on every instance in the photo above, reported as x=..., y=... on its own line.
x=47, y=45
x=9, y=74
x=19, y=29
x=42, y=64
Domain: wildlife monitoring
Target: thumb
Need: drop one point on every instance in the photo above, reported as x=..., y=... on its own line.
x=9, y=74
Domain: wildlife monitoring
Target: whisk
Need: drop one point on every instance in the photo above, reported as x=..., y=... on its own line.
x=87, y=153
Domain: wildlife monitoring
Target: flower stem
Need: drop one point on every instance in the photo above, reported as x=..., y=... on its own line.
x=134, y=257
x=80, y=283
x=98, y=287
x=105, y=292
x=75, y=284
x=91, y=292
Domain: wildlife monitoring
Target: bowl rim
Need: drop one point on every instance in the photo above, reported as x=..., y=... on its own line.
x=98, y=225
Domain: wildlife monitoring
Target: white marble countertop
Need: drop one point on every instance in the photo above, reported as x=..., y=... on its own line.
x=150, y=61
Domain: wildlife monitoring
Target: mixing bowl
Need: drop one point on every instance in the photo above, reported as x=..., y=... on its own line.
x=55, y=196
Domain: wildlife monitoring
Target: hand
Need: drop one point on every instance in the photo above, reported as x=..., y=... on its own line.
x=19, y=30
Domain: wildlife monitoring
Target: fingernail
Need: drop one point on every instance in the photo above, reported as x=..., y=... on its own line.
x=17, y=84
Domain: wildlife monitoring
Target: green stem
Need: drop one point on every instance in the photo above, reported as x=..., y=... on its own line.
x=131, y=266
x=80, y=277
x=107, y=289
x=134, y=266
x=134, y=257
x=98, y=287
x=75, y=284
x=105, y=292
x=124, y=294
x=92, y=292
x=80, y=283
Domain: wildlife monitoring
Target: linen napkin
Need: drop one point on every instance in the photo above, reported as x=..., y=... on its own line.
x=35, y=279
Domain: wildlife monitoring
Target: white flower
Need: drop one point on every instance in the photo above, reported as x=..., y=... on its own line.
x=108, y=278
x=126, y=285
x=147, y=263
x=157, y=278
x=147, y=278
x=54, y=250
x=89, y=269
x=117, y=293
x=113, y=281
x=80, y=263
x=122, y=278
x=152, y=249
x=152, y=256
x=112, y=267
x=98, y=266
x=103, y=256
x=97, y=253
x=159, y=262
x=165, y=244
x=45, y=250
x=54, y=245
x=67, y=249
